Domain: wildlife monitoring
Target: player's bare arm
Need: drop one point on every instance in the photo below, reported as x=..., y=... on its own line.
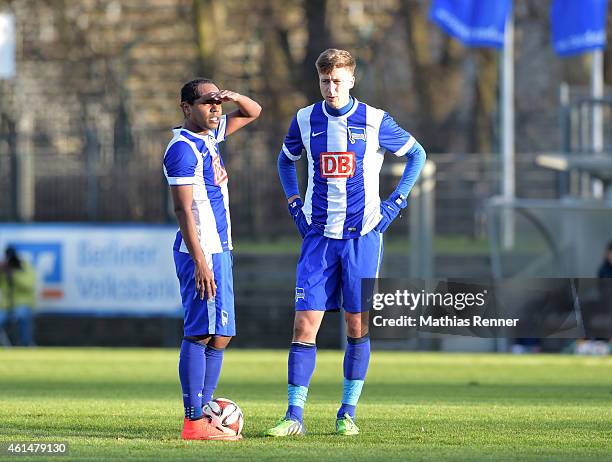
x=182, y=197
x=248, y=110
x=292, y=198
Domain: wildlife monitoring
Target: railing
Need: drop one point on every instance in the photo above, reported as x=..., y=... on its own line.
x=71, y=189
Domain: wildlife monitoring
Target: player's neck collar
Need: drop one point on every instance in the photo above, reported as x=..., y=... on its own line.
x=203, y=136
x=344, y=111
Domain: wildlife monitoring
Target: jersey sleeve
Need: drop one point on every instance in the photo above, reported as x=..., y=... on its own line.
x=179, y=164
x=288, y=175
x=293, y=146
x=220, y=131
x=394, y=138
x=415, y=160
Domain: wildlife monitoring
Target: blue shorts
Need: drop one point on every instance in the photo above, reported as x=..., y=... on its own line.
x=203, y=317
x=329, y=271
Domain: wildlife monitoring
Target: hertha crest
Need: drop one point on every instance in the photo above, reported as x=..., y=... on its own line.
x=356, y=133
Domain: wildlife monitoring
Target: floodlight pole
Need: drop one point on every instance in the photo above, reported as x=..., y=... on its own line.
x=507, y=131
x=22, y=160
x=597, y=93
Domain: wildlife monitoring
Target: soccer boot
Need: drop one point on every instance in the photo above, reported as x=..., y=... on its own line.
x=345, y=426
x=286, y=427
x=202, y=429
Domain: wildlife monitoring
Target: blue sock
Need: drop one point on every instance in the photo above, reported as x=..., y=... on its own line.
x=301, y=365
x=356, y=360
x=214, y=359
x=192, y=366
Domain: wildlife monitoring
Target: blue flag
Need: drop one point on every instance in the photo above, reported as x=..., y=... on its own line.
x=476, y=23
x=578, y=26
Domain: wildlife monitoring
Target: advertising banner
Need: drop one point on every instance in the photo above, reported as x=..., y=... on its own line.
x=99, y=268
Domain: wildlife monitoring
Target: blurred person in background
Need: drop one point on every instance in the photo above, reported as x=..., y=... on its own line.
x=605, y=297
x=18, y=287
x=598, y=315
x=605, y=270
x=202, y=250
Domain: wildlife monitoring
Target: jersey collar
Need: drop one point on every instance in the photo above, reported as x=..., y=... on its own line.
x=197, y=135
x=343, y=116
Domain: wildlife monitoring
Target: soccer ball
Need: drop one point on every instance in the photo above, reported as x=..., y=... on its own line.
x=225, y=415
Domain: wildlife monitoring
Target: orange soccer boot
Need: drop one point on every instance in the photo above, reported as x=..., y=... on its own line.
x=203, y=429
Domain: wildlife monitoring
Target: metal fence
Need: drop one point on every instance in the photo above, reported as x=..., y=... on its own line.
x=77, y=189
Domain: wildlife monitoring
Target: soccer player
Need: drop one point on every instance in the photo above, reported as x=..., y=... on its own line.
x=202, y=249
x=341, y=222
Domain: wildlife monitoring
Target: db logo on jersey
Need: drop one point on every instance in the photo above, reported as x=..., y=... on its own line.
x=337, y=164
x=219, y=170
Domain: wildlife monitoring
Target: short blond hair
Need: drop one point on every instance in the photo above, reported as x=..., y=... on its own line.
x=333, y=58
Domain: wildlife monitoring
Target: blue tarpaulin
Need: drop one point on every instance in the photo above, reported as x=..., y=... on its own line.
x=476, y=23
x=578, y=26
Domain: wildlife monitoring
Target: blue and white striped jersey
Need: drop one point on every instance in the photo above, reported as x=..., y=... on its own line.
x=345, y=155
x=192, y=159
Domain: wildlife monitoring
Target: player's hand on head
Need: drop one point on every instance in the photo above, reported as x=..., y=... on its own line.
x=204, y=280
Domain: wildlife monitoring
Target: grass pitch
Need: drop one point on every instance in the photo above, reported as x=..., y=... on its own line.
x=126, y=404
